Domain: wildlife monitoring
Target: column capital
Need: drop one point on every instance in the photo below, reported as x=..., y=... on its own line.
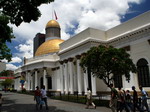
x=70, y=59
x=29, y=71
x=61, y=62
x=44, y=68
x=53, y=69
x=65, y=60
x=35, y=69
x=78, y=56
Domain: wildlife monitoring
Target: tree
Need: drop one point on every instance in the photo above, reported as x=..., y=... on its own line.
x=7, y=83
x=106, y=62
x=22, y=10
x=7, y=73
x=6, y=36
x=16, y=12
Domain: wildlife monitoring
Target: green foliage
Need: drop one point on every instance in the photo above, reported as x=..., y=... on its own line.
x=5, y=52
x=104, y=61
x=5, y=30
x=16, y=12
x=22, y=10
x=7, y=82
x=5, y=36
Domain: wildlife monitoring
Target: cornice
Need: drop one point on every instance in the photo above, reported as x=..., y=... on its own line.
x=110, y=41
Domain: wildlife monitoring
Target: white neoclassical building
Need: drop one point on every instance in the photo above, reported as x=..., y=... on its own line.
x=56, y=63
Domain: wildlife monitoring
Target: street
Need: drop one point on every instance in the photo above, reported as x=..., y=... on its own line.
x=14, y=102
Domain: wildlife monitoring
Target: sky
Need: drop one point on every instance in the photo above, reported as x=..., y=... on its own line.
x=74, y=16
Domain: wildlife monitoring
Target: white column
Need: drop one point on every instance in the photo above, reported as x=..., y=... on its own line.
x=93, y=80
x=44, y=78
x=28, y=79
x=79, y=75
x=66, y=77
x=36, y=79
x=61, y=77
x=85, y=81
x=71, y=75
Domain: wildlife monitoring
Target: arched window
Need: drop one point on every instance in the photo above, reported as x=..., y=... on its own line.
x=143, y=73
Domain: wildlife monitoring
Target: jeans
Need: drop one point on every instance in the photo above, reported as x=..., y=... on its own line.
x=45, y=101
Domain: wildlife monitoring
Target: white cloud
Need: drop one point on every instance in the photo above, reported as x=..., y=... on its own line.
x=25, y=50
x=13, y=60
x=16, y=60
x=74, y=16
x=11, y=66
x=101, y=14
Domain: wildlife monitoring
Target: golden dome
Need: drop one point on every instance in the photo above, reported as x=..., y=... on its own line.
x=52, y=23
x=50, y=46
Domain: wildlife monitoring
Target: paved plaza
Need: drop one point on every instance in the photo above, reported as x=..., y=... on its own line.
x=14, y=102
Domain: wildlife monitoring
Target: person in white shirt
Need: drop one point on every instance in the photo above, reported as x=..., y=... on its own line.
x=44, y=97
x=144, y=99
x=89, y=99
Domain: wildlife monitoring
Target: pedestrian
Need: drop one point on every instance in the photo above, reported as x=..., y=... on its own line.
x=37, y=97
x=1, y=100
x=135, y=100
x=89, y=99
x=44, y=97
x=144, y=99
x=121, y=100
x=113, y=100
x=128, y=100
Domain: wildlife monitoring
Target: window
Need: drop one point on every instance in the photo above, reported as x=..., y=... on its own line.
x=143, y=73
x=118, y=81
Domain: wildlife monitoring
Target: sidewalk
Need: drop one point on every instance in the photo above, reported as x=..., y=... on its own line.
x=74, y=107
x=14, y=102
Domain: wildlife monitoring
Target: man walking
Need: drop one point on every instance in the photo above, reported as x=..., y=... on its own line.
x=44, y=97
x=89, y=99
x=144, y=99
x=113, y=100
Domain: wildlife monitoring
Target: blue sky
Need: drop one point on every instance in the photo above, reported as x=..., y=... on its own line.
x=77, y=15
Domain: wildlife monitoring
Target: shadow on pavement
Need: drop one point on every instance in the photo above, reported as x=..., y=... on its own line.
x=27, y=108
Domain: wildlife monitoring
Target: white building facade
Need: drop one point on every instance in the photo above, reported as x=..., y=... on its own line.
x=59, y=69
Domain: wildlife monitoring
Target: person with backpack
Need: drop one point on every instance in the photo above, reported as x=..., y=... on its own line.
x=113, y=100
x=144, y=99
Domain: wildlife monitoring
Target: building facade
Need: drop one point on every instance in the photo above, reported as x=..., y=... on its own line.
x=56, y=63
